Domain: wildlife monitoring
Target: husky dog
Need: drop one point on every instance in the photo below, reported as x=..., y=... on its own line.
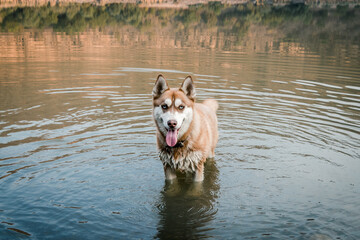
x=186, y=131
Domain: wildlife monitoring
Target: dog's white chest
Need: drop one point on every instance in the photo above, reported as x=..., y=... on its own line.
x=187, y=162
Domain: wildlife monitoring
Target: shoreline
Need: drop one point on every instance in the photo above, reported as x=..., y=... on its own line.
x=180, y=4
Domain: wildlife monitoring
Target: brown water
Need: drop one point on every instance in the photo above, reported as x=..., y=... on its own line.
x=78, y=156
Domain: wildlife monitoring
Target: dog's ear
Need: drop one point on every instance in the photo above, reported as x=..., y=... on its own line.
x=160, y=86
x=188, y=88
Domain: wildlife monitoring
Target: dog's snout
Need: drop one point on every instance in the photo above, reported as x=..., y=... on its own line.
x=172, y=123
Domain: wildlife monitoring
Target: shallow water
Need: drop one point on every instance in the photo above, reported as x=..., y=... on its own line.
x=78, y=149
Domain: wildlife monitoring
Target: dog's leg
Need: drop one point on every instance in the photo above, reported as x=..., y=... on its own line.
x=199, y=173
x=170, y=173
x=212, y=153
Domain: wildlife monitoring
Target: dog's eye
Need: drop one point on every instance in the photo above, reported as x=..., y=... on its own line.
x=181, y=107
x=164, y=106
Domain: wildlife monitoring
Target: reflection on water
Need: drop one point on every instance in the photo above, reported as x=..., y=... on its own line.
x=186, y=209
x=213, y=25
x=77, y=141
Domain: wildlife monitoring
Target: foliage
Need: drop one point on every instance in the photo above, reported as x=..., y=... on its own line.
x=236, y=19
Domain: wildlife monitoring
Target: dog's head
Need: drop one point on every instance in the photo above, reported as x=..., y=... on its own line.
x=173, y=108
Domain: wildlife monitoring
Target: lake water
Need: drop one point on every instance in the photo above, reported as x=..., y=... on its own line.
x=78, y=157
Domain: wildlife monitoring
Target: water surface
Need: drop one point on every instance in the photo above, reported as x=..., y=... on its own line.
x=78, y=156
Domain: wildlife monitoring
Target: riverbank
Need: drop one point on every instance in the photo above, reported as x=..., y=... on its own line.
x=177, y=3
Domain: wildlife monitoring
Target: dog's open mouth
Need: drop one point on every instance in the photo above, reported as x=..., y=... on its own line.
x=171, y=137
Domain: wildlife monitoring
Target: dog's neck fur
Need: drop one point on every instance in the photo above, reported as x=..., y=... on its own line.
x=183, y=156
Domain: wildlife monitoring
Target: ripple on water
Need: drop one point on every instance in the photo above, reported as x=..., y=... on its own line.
x=85, y=155
x=288, y=124
x=75, y=129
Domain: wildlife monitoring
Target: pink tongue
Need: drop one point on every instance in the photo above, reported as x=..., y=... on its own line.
x=171, y=138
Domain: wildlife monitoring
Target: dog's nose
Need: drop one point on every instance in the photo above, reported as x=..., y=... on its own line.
x=172, y=123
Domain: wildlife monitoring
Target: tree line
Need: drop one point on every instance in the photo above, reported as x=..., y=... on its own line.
x=234, y=19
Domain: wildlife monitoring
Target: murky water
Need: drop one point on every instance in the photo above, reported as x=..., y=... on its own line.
x=78, y=150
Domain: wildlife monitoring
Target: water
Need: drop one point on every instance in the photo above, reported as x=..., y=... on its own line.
x=78, y=156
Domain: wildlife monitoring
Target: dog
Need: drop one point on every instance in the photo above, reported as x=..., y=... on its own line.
x=187, y=132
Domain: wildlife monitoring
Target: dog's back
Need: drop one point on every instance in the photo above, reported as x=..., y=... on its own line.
x=212, y=103
x=205, y=123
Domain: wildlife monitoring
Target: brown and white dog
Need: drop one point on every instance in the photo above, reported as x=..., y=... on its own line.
x=186, y=131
